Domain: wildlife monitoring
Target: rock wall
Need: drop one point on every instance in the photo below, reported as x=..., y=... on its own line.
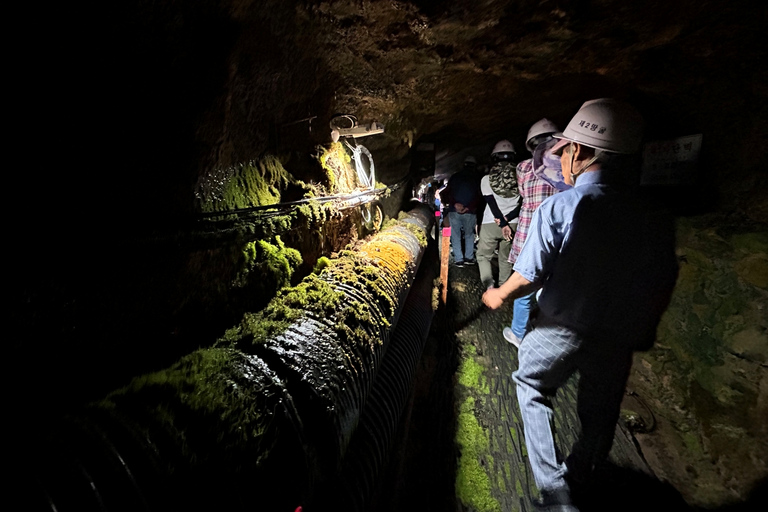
x=706, y=380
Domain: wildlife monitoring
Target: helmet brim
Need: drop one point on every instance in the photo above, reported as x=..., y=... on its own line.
x=557, y=149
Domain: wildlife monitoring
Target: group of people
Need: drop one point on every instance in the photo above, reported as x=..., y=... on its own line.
x=510, y=193
x=589, y=265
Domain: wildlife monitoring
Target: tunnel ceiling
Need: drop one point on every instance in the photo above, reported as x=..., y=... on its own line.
x=148, y=96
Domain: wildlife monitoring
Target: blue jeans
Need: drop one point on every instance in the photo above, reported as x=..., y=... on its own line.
x=548, y=356
x=462, y=222
x=521, y=312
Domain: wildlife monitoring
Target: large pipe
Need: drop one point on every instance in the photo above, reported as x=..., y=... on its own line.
x=372, y=445
x=261, y=420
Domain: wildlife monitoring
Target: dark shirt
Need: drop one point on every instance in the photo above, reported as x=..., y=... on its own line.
x=463, y=187
x=606, y=260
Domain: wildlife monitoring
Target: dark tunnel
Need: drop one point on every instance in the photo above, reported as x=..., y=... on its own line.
x=230, y=290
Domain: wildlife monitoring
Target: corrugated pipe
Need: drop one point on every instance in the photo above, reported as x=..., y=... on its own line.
x=372, y=445
x=262, y=420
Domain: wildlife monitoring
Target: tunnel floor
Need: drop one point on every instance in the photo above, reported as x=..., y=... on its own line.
x=463, y=449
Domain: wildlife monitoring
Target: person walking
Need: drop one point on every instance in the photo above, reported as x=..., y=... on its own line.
x=538, y=178
x=461, y=198
x=605, y=262
x=502, y=206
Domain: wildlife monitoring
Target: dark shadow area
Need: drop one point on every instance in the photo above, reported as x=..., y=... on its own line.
x=422, y=469
x=617, y=488
x=756, y=500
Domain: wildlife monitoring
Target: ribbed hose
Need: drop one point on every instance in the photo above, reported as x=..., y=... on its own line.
x=371, y=445
x=265, y=418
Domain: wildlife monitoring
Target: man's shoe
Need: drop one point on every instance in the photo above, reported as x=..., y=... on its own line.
x=459, y=264
x=510, y=337
x=556, y=508
x=472, y=261
x=555, y=501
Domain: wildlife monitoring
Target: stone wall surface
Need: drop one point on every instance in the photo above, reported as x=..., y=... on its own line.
x=706, y=380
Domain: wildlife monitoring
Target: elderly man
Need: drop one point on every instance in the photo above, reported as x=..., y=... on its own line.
x=606, y=265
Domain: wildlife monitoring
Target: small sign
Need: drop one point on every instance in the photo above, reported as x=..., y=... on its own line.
x=671, y=162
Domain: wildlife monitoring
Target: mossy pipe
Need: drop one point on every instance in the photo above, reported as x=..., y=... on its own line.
x=329, y=356
x=386, y=408
x=265, y=414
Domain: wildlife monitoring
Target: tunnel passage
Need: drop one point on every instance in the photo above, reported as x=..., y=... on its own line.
x=265, y=417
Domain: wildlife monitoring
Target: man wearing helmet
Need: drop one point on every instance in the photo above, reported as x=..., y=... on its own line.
x=499, y=188
x=538, y=178
x=606, y=265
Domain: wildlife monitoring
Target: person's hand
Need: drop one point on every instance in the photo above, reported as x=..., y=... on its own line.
x=506, y=232
x=460, y=208
x=497, y=221
x=493, y=298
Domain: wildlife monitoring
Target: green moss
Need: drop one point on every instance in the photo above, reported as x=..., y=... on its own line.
x=202, y=398
x=267, y=264
x=313, y=215
x=502, y=486
x=254, y=183
x=471, y=373
x=337, y=164
x=473, y=485
x=378, y=269
x=519, y=487
x=410, y=226
x=312, y=294
x=321, y=263
x=692, y=443
x=755, y=243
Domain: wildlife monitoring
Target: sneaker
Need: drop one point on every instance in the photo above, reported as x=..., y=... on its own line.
x=510, y=337
x=459, y=264
x=555, y=501
x=472, y=261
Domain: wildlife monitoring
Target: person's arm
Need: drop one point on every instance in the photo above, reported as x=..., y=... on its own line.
x=513, y=288
x=494, y=206
x=534, y=262
x=516, y=212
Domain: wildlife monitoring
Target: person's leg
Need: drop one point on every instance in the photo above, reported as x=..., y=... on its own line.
x=521, y=312
x=489, y=239
x=505, y=267
x=546, y=361
x=603, y=373
x=470, y=221
x=456, y=227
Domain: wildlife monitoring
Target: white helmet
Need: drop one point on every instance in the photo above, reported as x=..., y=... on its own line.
x=540, y=127
x=503, y=146
x=470, y=160
x=605, y=124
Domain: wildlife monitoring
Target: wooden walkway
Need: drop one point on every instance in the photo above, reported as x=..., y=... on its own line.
x=464, y=448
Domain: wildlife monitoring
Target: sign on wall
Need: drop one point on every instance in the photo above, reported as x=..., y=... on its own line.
x=671, y=162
